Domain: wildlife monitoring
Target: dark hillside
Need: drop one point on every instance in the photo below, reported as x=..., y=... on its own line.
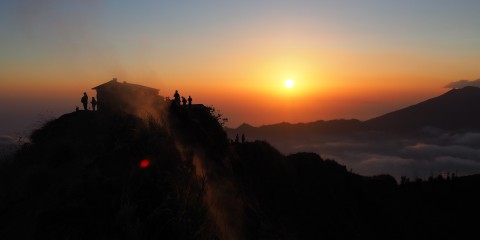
x=81, y=176
x=456, y=109
x=91, y=175
x=308, y=197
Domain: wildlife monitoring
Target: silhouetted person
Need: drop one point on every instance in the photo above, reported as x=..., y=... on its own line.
x=176, y=97
x=243, y=138
x=184, y=101
x=94, y=104
x=77, y=109
x=236, y=138
x=189, y=101
x=85, y=101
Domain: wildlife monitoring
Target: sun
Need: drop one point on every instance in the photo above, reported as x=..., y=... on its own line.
x=289, y=83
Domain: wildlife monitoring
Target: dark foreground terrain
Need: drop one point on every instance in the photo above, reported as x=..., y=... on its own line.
x=92, y=175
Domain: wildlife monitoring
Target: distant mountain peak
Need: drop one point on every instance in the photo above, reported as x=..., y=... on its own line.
x=455, y=109
x=464, y=90
x=245, y=126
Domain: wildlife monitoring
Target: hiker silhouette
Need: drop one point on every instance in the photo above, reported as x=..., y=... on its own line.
x=190, y=100
x=236, y=138
x=84, y=101
x=176, y=97
x=184, y=101
x=94, y=103
x=243, y=138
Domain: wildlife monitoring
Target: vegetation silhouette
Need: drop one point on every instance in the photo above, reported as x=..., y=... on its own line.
x=83, y=176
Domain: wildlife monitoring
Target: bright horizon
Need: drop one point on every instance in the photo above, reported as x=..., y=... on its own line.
x=347, y=60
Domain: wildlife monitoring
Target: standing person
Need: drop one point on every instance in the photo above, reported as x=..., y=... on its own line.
x=94, y=103
x=85, y=101
x=184, y=101
x=189, y=100
x=176, y=97
x=243, y=138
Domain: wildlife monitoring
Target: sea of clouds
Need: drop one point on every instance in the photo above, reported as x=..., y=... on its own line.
x=430, y=153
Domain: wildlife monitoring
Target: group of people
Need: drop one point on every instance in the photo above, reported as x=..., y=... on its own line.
x=176, y=99
x=237, y=139
x=176, y=96
x=84, y=101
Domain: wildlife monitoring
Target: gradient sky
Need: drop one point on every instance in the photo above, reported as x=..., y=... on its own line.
x=349, y=59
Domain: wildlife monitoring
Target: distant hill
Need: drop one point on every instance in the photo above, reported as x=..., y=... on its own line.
x=456, y=109
x=286, y=130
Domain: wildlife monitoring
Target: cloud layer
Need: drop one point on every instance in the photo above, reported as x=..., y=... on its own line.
x=428, y=154
x=464, y=83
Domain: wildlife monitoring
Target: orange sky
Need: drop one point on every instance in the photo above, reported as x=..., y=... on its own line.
x=347, y=60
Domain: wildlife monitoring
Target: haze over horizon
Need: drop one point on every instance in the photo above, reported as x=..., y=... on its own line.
x=348, y=60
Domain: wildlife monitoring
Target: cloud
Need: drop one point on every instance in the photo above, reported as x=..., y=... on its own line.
x=6, y=140
x=432, y=153
x=464, y=83
x=469, y=138
x=458, y=162
x=376, y=164
x=8, y=144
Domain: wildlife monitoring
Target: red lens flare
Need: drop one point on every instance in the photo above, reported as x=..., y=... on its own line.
x=144, y=163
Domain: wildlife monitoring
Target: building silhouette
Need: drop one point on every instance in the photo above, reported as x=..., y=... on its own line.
x=114, y=96
x=122, y=97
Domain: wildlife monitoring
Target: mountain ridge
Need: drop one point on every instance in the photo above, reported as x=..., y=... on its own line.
x=452, y=110
x=88, y=175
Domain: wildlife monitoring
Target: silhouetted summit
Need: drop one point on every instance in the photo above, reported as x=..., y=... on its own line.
x=176, y=175
x=456, y=109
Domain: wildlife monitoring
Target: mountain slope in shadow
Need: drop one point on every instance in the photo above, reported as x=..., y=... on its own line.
x=455, y=109
x=84, y=176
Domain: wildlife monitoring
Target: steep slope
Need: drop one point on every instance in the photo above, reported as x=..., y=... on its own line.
x=83, y=177
x=456, y=109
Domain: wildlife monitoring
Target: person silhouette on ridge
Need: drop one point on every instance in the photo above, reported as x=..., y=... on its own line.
x=189, y=100
x=243, y=138
x=176, y=97
x=94, y=104
x=184, y=101
x=236, y=138
x=85, y=101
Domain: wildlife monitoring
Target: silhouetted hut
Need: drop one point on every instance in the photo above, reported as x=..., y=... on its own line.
x=113, y=96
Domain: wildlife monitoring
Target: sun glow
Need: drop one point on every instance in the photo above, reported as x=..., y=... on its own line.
x=289, y=83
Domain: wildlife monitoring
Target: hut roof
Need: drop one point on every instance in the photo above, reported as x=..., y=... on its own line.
x=114, y=82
